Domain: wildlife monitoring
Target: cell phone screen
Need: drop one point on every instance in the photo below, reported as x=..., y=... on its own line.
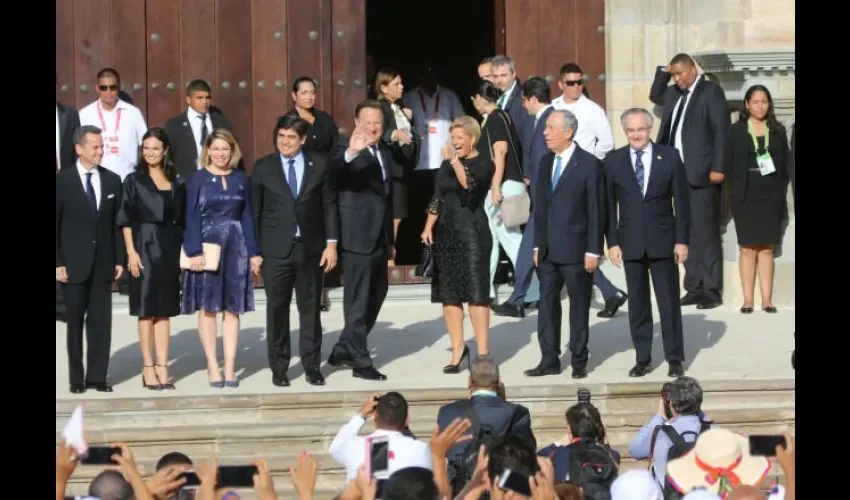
x=191, y=478
x=380, y=457
x=236, y=476
x=100, y=455
x=515, y=482
x=765, y=445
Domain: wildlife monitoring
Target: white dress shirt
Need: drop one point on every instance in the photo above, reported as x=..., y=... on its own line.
x=432, y=119
x=646, y=158
x=678, y=133
x=349, y=449
x=95, y=181
x=195, y=123
x=119, y=155
x=58, y=142
x=594, y=130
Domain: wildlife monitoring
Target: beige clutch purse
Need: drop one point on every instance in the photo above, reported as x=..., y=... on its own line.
x=212, y=256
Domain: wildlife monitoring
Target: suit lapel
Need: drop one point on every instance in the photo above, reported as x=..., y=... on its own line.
x=568, y=169
x=629, y=172
x=103, y=187
x=216, y=120
x=281, y=181
x=654, y=170
x=188, y=136
x=692, y=102
x=308, y=174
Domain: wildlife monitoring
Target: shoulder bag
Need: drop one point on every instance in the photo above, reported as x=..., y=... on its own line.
x=516, y=210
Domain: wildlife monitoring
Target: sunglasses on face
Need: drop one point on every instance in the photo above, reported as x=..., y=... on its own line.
x=572, y=83
x=104, y=88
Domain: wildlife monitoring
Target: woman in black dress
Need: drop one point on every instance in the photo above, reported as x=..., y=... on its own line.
x=151, y=218
x=458, y=228
x=756, y=153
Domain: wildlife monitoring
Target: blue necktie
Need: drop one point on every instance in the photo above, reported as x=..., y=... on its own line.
x=292, y=179
x=639, y=170
x=90, y=194
x=558, y=171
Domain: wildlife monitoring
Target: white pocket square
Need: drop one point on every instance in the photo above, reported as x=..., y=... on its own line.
x=110, y=196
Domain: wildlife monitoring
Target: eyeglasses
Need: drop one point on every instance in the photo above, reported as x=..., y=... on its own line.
x=572, y=83
x=104, y=88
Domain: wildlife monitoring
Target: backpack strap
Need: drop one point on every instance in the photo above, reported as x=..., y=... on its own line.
x=674, y=437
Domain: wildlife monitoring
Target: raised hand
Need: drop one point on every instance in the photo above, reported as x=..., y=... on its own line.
x=358, y=142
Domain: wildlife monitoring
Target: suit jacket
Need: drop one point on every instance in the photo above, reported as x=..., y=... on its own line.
x=88, y=244
x=536, y=150
x=739, y=145
x=184, y=152
x=503, y=416
x=569, y=221
x=404, y=156
x=365, y=199
x=276, y=212
x=652, y=224
x=69, y=121
x=704, y=125
x=523, y=122
x=792, y=171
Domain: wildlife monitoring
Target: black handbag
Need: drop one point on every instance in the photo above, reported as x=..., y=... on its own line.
x=425, y=269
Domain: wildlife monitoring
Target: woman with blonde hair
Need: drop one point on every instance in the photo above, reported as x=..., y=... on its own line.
x=457, y=227
x=218, y=211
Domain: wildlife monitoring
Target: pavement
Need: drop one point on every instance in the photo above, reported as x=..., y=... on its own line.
x=410, y=345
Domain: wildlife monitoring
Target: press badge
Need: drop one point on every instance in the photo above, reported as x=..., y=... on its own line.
x=765, y=163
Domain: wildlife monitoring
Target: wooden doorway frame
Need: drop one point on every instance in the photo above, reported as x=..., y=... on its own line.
x=500, y=28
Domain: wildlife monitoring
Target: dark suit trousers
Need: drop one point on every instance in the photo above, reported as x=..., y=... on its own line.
x=365, y=278
x=704, y=267
x=88, y=303
x=579, y=289
x=665, y=279
x=60, y=299
x=523, y=272
x=279, y=277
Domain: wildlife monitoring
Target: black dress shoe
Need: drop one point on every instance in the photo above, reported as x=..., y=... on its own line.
x=451, y=369
x=770, y=309
x=676, y=370
x=613, y=305
x=579, y=372
x=314, y=377
x=709, y=303
x=640, y=369
x=747, y=310
x=543, y=370
x=78, y=388
x=99, y=387
x=691, y=299
x=281, y=380
x=368, y=373
x=339, y=360
x=530, y=305
x=509, y=310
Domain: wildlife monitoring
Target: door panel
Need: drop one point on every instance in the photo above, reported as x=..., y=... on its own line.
x=522, y=38
x=270, y=51
x=65, y=92
x=197, y=46
x=163, y=55
x=128, y=49
x=348, y=45
x=591, y=46
x=91, y=47
x=307, y=33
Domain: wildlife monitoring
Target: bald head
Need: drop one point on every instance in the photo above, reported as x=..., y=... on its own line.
x=746, y=492
x=110, y=485
x=484, y=374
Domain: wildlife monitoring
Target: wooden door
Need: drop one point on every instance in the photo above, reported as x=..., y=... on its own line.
x=543, y=35
x=348, y=69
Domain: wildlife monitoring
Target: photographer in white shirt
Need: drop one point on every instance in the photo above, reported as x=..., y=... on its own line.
x=389, y=412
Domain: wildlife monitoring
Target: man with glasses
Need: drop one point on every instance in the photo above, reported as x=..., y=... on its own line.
x=594, y=136
x=122, y=124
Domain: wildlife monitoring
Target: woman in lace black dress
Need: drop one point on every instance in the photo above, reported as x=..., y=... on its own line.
x=457, y=226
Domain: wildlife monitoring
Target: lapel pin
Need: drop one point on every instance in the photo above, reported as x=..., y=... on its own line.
x=659, y=157
x=310, y=163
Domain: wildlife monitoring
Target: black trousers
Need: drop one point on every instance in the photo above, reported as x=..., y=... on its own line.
x=280, y=276
x=364, y=291
x=88, y=304
x=579, y=289
x=704, y=267
x=665, y=280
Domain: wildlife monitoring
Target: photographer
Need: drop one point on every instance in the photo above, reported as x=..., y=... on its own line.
x=583, y=456
x=679, y=418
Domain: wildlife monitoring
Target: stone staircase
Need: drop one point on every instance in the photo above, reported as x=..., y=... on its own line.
x=279, y=426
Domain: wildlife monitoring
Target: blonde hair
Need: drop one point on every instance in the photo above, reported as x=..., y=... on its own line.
x=384, y=77
x=226, y=136
x=469, y=125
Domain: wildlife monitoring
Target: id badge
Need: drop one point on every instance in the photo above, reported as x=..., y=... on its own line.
x=111, y=146
x=765, y=163
x=432, y=126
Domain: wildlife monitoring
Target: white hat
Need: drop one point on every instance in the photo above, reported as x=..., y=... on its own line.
x=719, y=462
x=636, y=485
x=701, y=495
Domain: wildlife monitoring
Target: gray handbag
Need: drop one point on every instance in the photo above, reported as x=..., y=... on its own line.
x=516, y=210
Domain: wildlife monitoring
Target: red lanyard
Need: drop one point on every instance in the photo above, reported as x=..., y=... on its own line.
x=436, y=103
x=103, y=123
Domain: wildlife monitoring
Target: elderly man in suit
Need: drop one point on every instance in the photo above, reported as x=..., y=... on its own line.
x=648, y=232
x=694, y=121
x=569, y=216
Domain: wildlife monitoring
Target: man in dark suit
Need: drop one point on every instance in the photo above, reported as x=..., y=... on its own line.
x=89, y=257
x=67, y=122
x=569, y=215
x=504, y=77
x=694, y=121
x=364, y=182
x=536, y=99
x=646, y=186
x=297, y=221
x=189, y=130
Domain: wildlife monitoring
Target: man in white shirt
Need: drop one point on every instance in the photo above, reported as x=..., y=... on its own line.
x=594, y=136
x=122, y=124
x=390, y=414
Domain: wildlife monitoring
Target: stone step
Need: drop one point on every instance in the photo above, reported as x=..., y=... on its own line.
x=282, y=408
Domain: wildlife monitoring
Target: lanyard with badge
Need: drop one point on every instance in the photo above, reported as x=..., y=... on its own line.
x=111, y=146
x=765, y=162
x=432, y=123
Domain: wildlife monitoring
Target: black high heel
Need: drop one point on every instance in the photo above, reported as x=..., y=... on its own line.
x=168, y=384
x=157, y=387
x=456, y=368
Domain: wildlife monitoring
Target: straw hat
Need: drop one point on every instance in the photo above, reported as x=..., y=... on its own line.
x=719, y=461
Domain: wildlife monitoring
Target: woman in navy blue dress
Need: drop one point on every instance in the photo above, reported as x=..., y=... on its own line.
x=218, y=210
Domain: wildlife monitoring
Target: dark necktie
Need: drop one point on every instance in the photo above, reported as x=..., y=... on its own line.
x=679, y=113
x=558, y=171
x=204, y=131
x=291, y=178
x=639, y=170
x=90, y=194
